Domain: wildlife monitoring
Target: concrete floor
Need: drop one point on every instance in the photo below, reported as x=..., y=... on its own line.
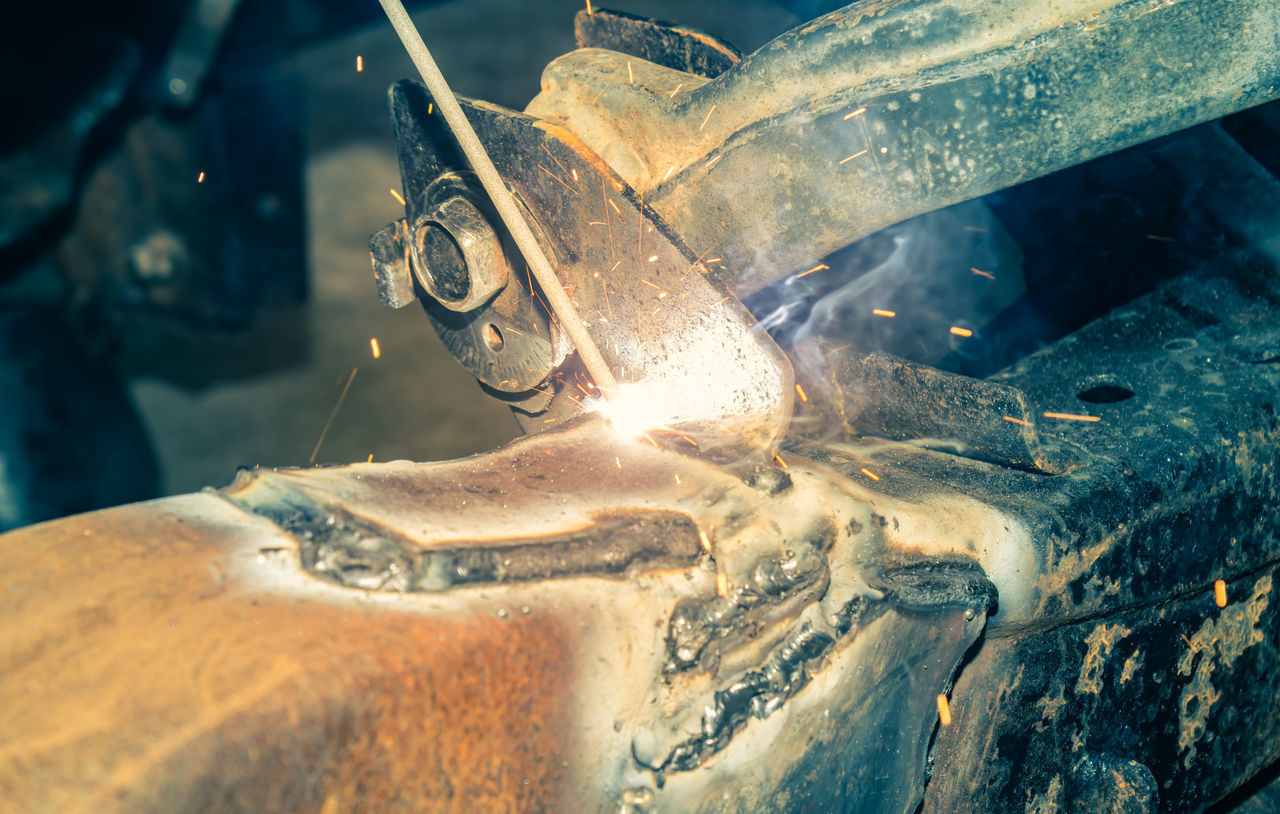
x=414, y=402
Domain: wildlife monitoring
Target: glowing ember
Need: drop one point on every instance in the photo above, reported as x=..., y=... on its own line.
x=1072, y=416
x=707, y=119
x=965, y=332
x=870, y=474
x=1220, y=593
x=373, y=346
x=884, y=312
x=399, y=198
x=200, y=177
x=359, y=64
x=800, y=392
x=944, y=710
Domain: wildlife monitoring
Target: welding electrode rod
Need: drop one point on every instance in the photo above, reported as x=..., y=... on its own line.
x=556, y=296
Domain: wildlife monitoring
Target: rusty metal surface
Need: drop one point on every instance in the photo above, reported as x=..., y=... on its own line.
x=596, y=620
x=460, y=694
x=176, y=660
x=885, y=110
x=1143, y=710
x=884, y=396
x=678, y=47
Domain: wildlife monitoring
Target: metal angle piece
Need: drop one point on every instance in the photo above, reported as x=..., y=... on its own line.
x=685, y=350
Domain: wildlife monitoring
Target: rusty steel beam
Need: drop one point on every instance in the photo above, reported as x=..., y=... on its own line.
x=885, y=110
x=563, y=624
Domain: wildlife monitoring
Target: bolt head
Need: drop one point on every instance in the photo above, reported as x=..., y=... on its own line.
x=457, y=256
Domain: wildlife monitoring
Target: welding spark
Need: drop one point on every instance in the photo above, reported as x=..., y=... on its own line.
x=1072, y=416
x=617, y=461
x=857, y=112
x=884, y=312
x=430, y=106
x=944, y=710
x=722, y=584
x=677, y=480
x=800, y=392
x=370, y=458
x=706, y=541
x=397, y=196
x=631, y=78
x=982, y=273
x=634, y=409
x=200, y=177
x=373, y=346
x=653, y=258
x=558, y=178
x=589, y=11
x=1017, y=421
x=965, y=332
x=670, y=170
x=677, y=90
x=870, y=474
x=638, y=407
x=855, y=155
x=707, y=119
x=819, y=267
x=359, y=63
x=1220, y=593
x=332, y=415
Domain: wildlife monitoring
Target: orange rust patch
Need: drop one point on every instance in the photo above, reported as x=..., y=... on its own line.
x=140, y=674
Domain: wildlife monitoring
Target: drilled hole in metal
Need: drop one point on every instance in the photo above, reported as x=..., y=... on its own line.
x=493, y=338
x=1105, y=394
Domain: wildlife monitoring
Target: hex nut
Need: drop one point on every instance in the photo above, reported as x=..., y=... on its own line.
x=457, y=256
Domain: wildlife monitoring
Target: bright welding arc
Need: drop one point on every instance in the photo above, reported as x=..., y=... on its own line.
x=557, y=297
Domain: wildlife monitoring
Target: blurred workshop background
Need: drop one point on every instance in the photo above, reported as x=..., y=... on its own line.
x=186, y=195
